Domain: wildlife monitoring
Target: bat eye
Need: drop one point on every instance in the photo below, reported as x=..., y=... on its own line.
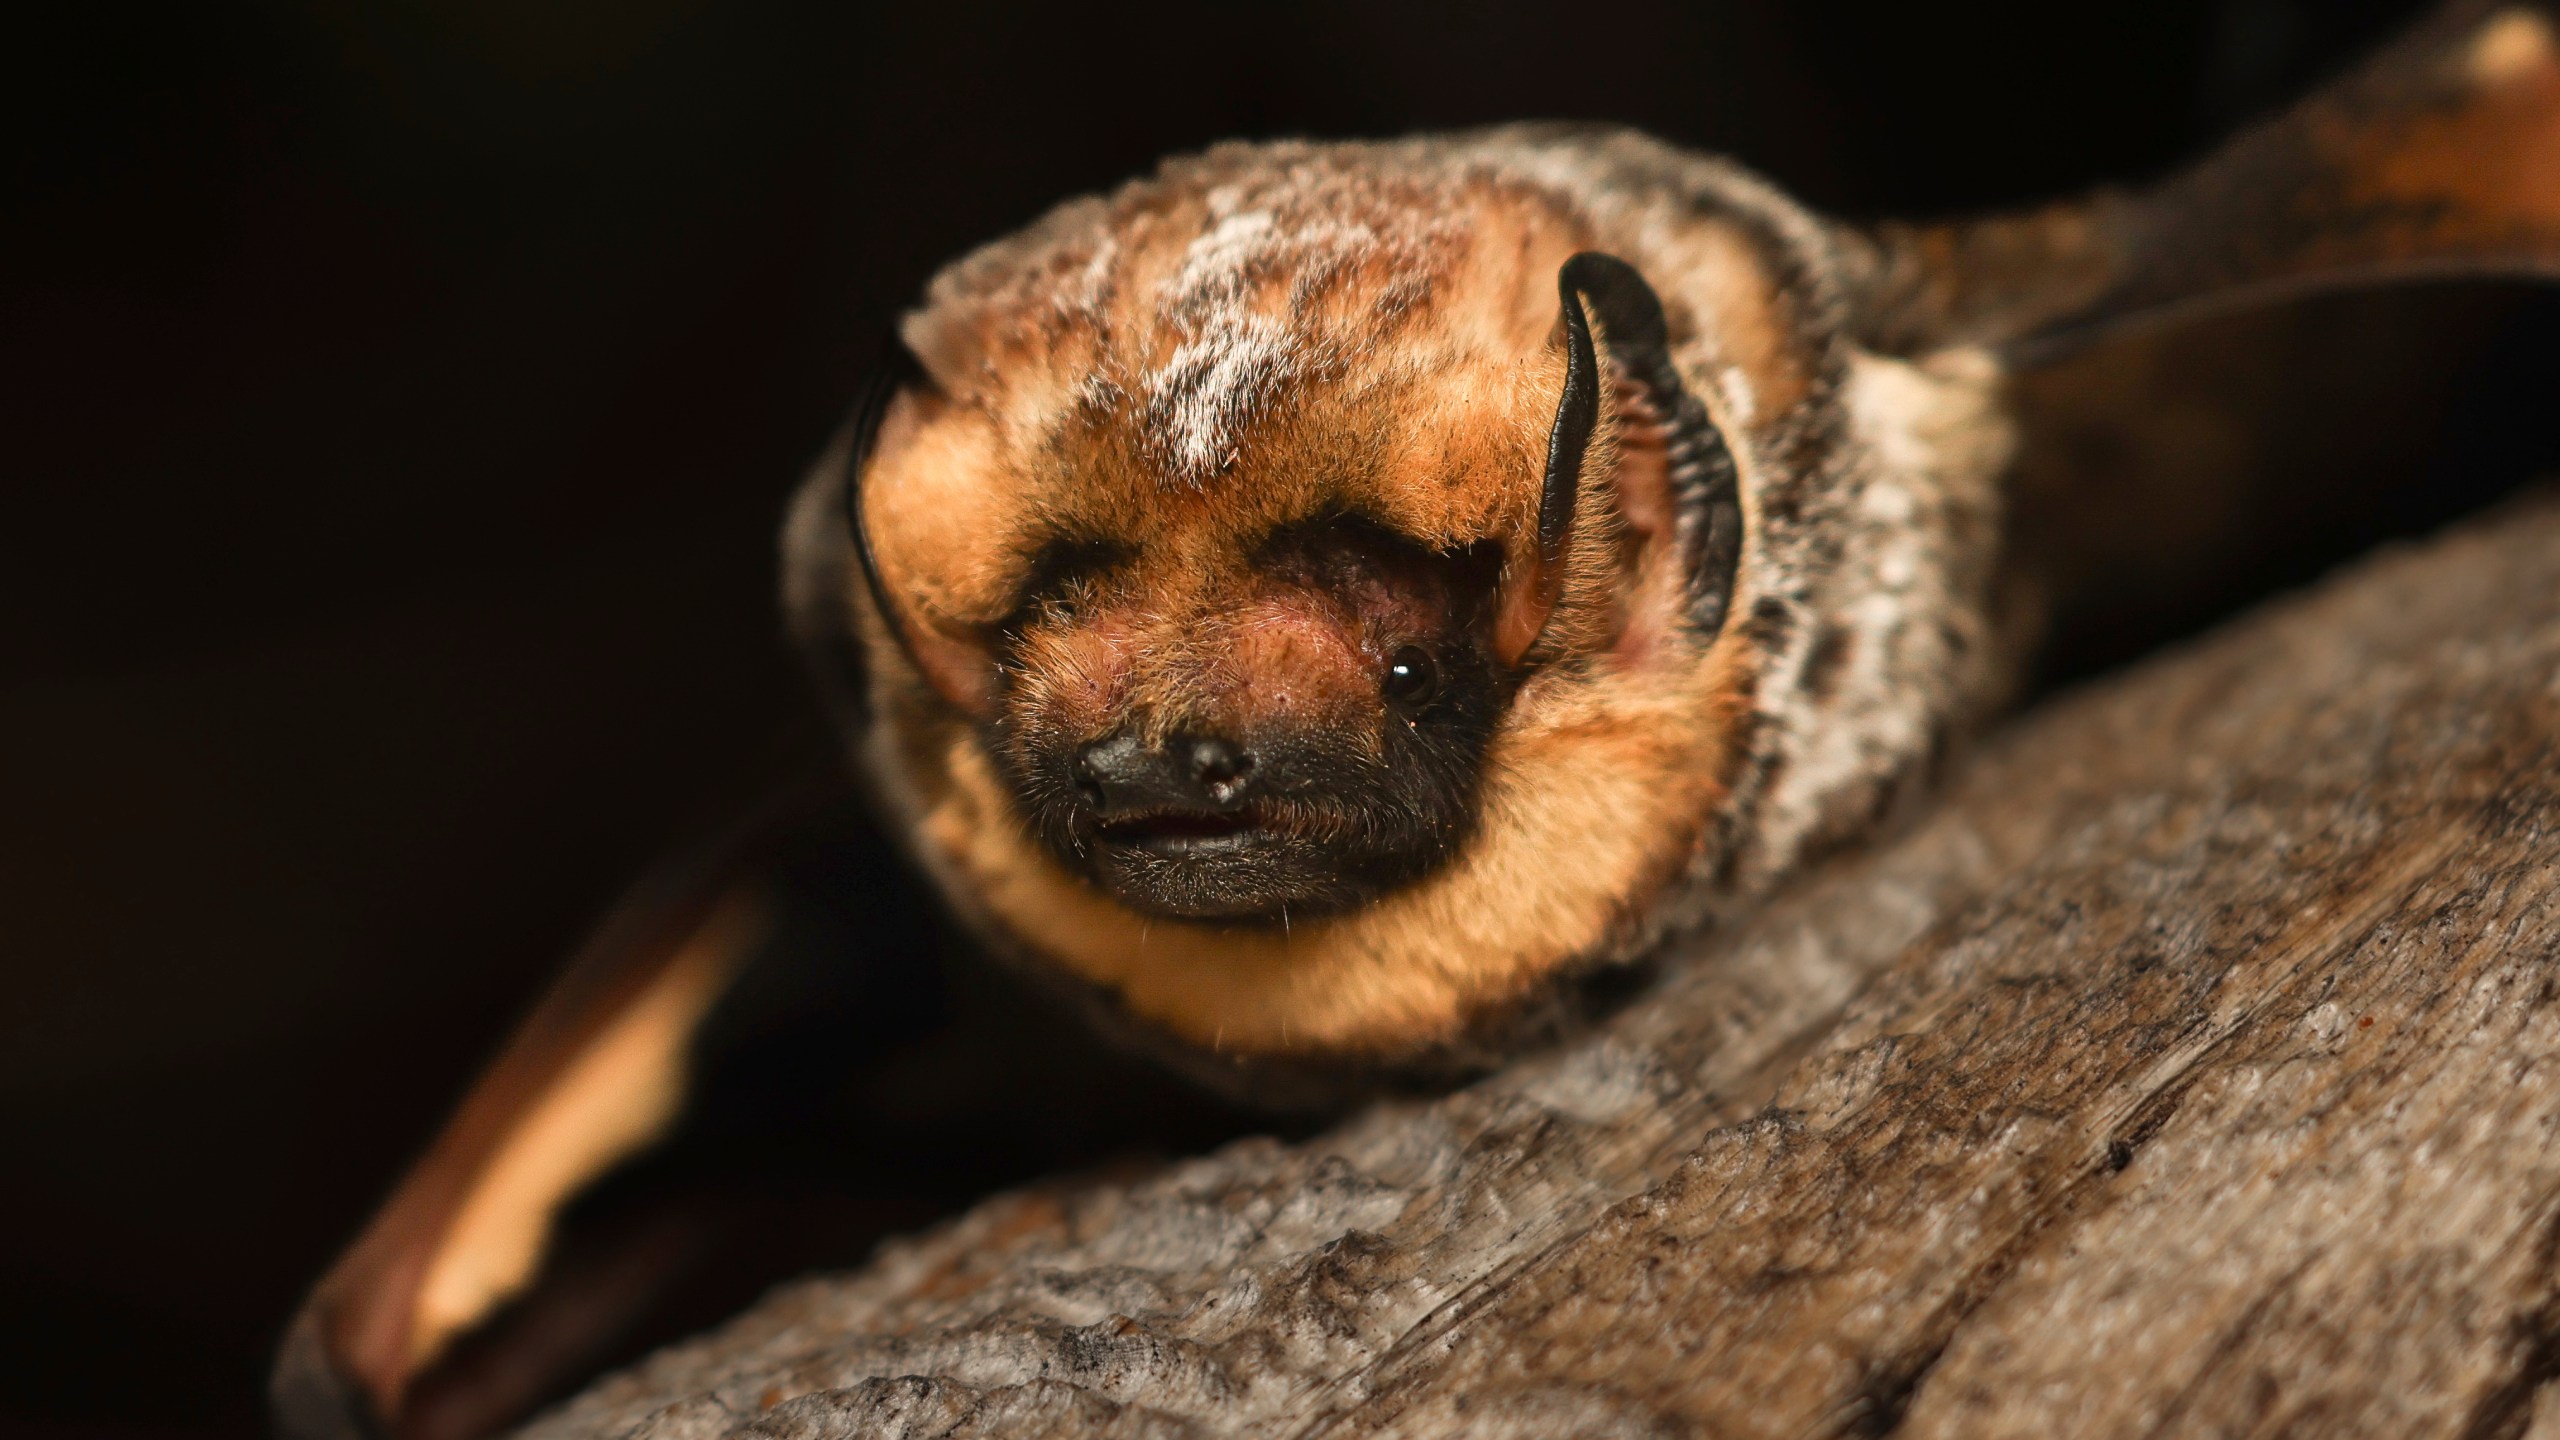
x=1412, y=678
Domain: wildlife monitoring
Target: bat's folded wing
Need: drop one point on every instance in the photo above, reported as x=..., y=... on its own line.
x=2440, y=156
x=658, y=1022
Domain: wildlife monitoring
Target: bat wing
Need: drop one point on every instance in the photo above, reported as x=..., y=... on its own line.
x=647, y=1046
x=2439, y=156
x=774, y=1053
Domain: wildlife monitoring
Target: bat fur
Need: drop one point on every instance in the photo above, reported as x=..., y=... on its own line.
x=1322, y=603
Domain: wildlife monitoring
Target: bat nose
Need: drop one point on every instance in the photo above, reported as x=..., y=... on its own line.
x=1125, y=775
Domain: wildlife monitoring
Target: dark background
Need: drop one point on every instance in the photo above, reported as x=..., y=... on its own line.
x=399, y=398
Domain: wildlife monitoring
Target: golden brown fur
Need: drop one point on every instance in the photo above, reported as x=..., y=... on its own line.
x=1406, y=293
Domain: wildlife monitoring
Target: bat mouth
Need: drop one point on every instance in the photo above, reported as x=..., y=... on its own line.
x=1255, y=864
x=1174, y=833
x=1314, y=826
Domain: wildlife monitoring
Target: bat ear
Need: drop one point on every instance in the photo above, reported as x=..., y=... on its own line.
x=957, y=669
x=2439, y=156
x=1675, y=476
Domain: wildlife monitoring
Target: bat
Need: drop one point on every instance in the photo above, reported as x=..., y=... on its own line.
x=1324, y=612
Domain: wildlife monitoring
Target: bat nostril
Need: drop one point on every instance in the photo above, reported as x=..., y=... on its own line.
x=1088, y=780
x=1113, y=774
x=1219, y=767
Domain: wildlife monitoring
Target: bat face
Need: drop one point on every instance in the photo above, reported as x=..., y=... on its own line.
x=1242, y=727
x=1231, y=656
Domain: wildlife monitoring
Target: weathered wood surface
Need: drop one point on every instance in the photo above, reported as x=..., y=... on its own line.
x=2192, y=1069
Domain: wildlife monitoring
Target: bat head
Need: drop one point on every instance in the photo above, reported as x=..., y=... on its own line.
x=1295, y=590
x=1216, y=589
x=1240, y=564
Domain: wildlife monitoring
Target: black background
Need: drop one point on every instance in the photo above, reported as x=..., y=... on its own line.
x=399, y=398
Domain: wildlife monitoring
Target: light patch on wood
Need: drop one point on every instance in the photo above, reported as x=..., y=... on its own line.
x=615, y=1097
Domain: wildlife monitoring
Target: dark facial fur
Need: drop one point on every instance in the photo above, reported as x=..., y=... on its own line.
x=1298, y=740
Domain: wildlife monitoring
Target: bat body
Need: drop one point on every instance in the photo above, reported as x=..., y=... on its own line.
x=1323, y=606
x=1296, y=414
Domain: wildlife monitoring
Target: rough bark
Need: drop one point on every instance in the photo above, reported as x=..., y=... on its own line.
x=2192, y=1068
